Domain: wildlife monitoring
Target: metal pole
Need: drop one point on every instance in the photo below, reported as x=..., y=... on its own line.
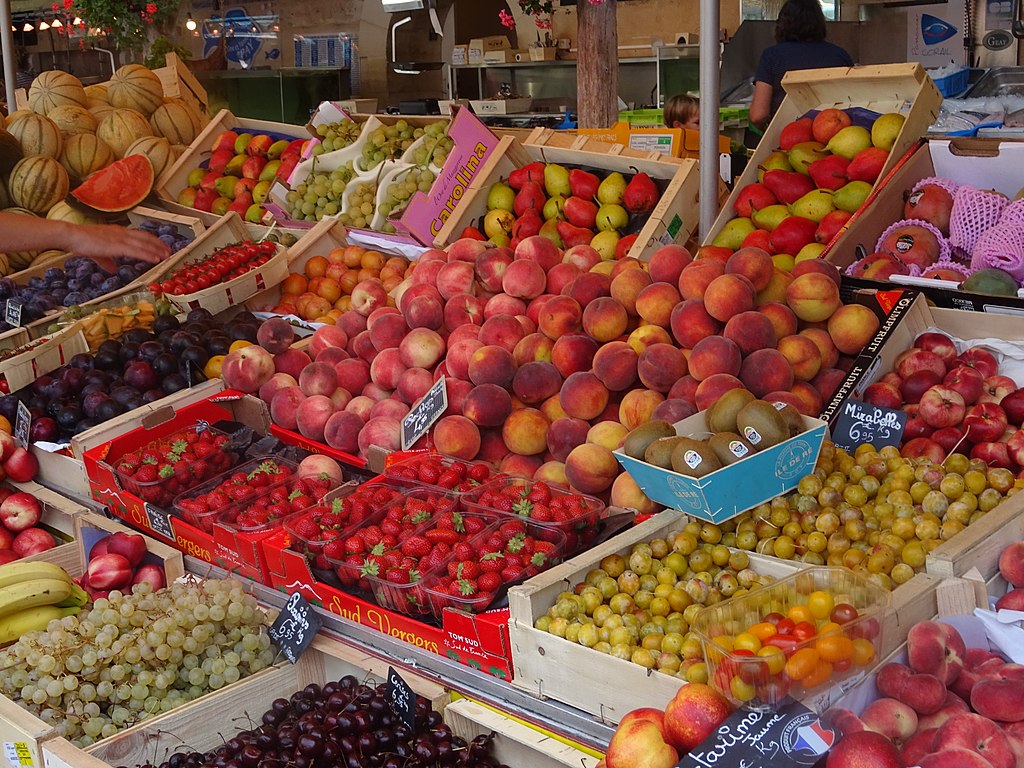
x=7, y=43
x=709, y=84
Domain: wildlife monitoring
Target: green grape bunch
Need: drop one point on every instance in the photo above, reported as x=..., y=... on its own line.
x=387, y=142
x=401, y=189
x=361, y=206
x=436, y=146
x=320, y=194
x=335, y=136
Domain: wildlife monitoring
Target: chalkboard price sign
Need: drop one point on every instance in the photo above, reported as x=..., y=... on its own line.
x=12, y=312
x=159, y=521
x=427, y=411
x=22, y=425
x=861, y=423
x=401, y=698
x=295, y=626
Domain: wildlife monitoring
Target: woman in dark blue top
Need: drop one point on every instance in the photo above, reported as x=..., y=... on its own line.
x=801, y=44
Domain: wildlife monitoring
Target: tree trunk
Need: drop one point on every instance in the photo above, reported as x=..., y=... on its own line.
x=597, y=66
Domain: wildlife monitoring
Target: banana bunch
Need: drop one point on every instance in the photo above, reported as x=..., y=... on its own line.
x=34, y=593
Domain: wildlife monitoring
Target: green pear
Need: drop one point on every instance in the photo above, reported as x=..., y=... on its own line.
x=553, y=207
x=277, y=148
x=556, y=180
x=815, y=205
x=733, y=233
x=805, y=153
x=261, y=191
x=226, y=186
x=886, y=129
x=611, y=217
x=612, y=190
x=550, y=230
x=234, y=166
x=769, y=217
x=851, y=196
x=604, y=243
x=777, y=160
x=242, y=142
x=254, y=213
x=269, y=172
x=195, y=176
x=498, y=221
x=849, y=141
x=500, y=197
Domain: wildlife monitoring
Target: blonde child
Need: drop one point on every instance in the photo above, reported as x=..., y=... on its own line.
x=682, y=111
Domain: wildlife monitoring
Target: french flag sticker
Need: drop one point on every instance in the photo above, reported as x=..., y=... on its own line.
x=815, y=738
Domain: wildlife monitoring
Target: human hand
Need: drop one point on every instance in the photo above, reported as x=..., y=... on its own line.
x=105, y=241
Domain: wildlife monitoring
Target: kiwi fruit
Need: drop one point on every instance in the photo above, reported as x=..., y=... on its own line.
x=792, y=417
x=659, y=452
x=761, y=425
x=721, y=416
x=730, y=447
x=637, y=440
x=694, y=458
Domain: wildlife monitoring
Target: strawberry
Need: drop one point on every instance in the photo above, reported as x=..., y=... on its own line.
x=448, y=479
x=492, y=562
x=336, y=549
x=441, y=534
x=306, y=528
x=146, y=474
x=489, y=581
x=416, y=546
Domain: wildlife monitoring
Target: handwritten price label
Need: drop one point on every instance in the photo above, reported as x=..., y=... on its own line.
x=402, y=698
x=860, y=423
x=427, y=411
x=295, y=626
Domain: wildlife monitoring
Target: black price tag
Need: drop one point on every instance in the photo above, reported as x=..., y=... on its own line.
x=159, y=521
x=12, y=312
x=22, y=425
x=427, y=411
x=295, y=627
x=790, y=737
x=401, y=698
x=859, y=423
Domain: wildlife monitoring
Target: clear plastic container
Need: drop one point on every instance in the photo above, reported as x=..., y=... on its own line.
x=838, y=646
x=175, y=476
x=188, y=505
x=281, y=502
x=412, y=472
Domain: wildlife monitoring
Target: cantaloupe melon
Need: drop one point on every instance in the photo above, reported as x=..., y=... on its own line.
x=53, y=89
x=38, y=183
x=175, y=122
x=97, y=93
x=72, y=119
x=10, y=154
x=64, y=212
x=19, y=260
x=122, y=128
x=38, y=135
x=157, y=150
x=135, y=87
x=85, y=154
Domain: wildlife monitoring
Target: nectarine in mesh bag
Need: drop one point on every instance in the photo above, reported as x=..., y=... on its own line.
x=937, y=181
x=1013, y=213
x=945, y=254
x=953, y=266
x=974, y=212
x=1001, y=247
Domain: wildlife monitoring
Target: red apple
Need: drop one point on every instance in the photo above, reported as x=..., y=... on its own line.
x=939, y=343
x=110, y=571
x=980, y=358
x=942, y=407
x=951, y=439
x=917, y=383
x=968, y=382
x=914, y=359
x=20, y=511
x=864, y=749
x=100, y=547
x=923, y=447
x=32, y=541
x=915, y=426
x=6, y=538
x=1015, y=447
x=1013, y=404
x=7, y=556
x=984, y=422
x=996, y=388
x=21, y=466
x=7, y=446
x=152, y=575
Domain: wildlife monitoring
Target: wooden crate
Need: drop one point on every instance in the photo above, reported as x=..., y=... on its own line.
x=170, y=558
x=979, y=545
x=515, y=743
x=21, y=370
x=179, y=83
x=882, y=88
x=59, y=513
x=186, y=225
x=674, y=219
x=203, y=724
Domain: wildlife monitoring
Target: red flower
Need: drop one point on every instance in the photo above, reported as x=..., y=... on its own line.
x=150, y=8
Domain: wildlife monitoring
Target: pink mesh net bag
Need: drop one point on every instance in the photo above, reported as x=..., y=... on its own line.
x=945, y=254
x=974, y=213
x=1013, y=213
x=1001, y=247
x=951, y=266
x=939, y=181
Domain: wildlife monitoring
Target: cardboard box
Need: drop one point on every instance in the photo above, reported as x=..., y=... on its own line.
x=881, y=88
x=543, y=53
x=984, y=163
x=501, y=106
x=478, y=46
x=460, y=55
x=727, y=492
x=505, y=56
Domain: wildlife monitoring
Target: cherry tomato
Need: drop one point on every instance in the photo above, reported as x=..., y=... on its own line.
x=821, y=672
x=190, y=286
x=746, y=641
x=785, y=626
x=787, y=644
x=863, y=652
x=842, y=666
x=774, y=618
x=843, y=612
x=741, y=690
x=762, y=630
x=204, y=281
x=774, y=658
x=866, y=628
x=803, y=631
x=820, y=603
x=799, y=613
x=774, y=690
x=802, y=663
x=833, y=648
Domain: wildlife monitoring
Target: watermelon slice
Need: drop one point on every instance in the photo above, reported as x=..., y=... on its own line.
x=119, y=187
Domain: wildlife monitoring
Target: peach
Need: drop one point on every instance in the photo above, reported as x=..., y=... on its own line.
x=715, y=354
x=425, y=272
x=728, y=295
x=673, y=410
x=624, y=265
x=387, y=369
x=667, y=263
x=926, y=694
x=713, y=387
x=660, y=366
x=529, y=326
x=753, y=263
x=611, y=411
x=424, y=312
x=525, y=432
x=458, y=390
x=605, y=319
x=973, y=733
x=353, y=374
x=560, y=276
x=573, y=353
x=276, y=335
x=582, y=256
x=826, y=347
x=457, y=436
x=351, y=323
x=291, y=361
x=852, y=326
x=318, y=379
x=777, y=286
x=389, y=407
x=536, y=346
x=387, y=331
x=326, y=337
x=340, y=397
x=503, y=331
x=534, y=382
x=284, y=407
x=1011, y=560
x=684, y=389
x=539, y=250
x=610, y=434
x=332, y=355
x=583, y=396
x=490, y=268
x=463, y=309
x=690, y=322
x=503, y=304
x=803, y=356
x=697, y=276
x=361, y=405
x=751, y=330
x=551, y=472
x=517, y=465
x=591, y=468
x=459, y=355
x=626, y=493
x=559, y=316
x=822, y=267
x=368, y=295
x=655, y=303
x=341, y=431
x=421, y=348
x=891, y=718
x=492, y=365
x=417, y=292
x=524, y=279
x=588, y=287
x=637, y=407
x=937, y=649
x=492, y=446
x=455, y=277
x=382, y=431
x=251, y=367
x=414, y=384
x=615, y=364
x=311, y=416
x=362, y=347
x=811, y=399
x=552, y=408
x=646, y=335
x=999, y=699
x=487, y=405
x=275, y=384
x=564, y=434
x=536, y=305
x=813, y=297
x=626, y=288
x=782, y=318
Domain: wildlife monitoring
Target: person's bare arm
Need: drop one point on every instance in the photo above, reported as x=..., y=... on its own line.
x=761, y=104
x=98, y=241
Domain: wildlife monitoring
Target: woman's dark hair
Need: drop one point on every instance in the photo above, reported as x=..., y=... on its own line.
x=800, y=21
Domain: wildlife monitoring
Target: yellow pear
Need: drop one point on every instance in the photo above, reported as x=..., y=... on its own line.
x=885, y=130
